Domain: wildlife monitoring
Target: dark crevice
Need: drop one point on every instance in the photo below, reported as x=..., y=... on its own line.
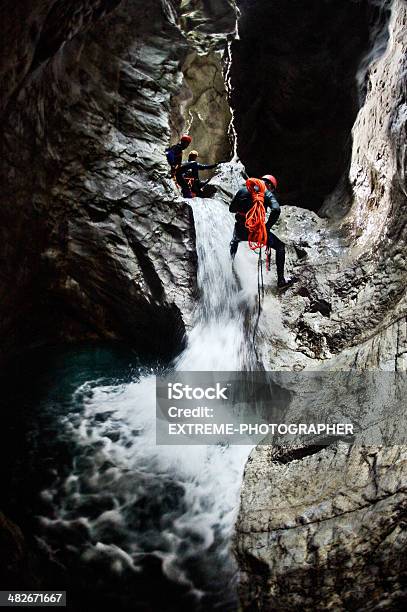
x=321, y=306
x=371, y=502
x=297, y=72
x=296, y=454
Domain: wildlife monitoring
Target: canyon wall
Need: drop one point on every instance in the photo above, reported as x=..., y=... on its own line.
x=94, y=241
x=322, y=527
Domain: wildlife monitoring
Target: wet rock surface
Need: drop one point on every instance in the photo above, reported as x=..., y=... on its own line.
x=94, y=241
x=323, y=528
x=34, y=31
x=206, y=107
x=323, y=531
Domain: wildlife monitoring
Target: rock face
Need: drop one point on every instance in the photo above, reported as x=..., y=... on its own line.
x=35, y=31
x=89, y=246
x=323, y=528
x=202, y=103
x=94, y=241
x=206, y=106
x=324, y=532
x=295, y=96
x=348, y=307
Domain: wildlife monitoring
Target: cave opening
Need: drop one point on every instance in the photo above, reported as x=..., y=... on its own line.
x=297, y=81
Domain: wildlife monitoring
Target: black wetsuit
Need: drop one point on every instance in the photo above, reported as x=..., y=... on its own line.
x=191, y=170
x=241, y=204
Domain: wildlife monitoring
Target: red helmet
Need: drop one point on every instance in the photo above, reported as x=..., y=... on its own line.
x=270, y=179
x=186, y=138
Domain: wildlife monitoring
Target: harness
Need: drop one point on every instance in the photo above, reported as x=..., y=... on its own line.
x=191, y=180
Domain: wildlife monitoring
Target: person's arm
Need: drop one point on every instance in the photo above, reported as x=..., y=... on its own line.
x=170, y=154
x=274, y=209
x=235, y=204
x=178, y=150
x=206, y=166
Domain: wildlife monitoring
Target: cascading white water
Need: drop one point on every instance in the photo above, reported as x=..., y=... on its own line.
x=218, y=340
x=191, y=491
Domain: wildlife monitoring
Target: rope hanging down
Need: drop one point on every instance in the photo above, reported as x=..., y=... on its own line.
x=256, y=226
x=260, y=296
x=258, y=238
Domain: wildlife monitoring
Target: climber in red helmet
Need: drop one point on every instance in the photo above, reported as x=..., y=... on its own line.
x=174, y=153
x=241, y=204
x=270, y=180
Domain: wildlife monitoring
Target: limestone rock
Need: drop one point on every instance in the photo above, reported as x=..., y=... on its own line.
x=323, y=529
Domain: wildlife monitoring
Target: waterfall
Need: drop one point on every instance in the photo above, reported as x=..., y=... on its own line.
x=219, y=339
x=136, y=503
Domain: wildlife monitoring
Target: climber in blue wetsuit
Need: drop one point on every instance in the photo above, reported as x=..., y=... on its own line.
x=187, y=175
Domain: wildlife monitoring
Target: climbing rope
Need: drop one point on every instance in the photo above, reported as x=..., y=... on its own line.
x=260, y=296
x=256, y=216
x=257, y=239
x=260, y=279
x=268, y=259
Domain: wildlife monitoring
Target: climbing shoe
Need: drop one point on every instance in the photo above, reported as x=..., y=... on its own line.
x=285, y=283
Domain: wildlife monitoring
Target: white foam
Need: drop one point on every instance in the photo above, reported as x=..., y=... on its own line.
x=117, y=456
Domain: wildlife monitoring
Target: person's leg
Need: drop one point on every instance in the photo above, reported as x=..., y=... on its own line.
x=186, y=191
x=240, y=234
x=279, y=247
x=234, y=243
x=196, y=187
